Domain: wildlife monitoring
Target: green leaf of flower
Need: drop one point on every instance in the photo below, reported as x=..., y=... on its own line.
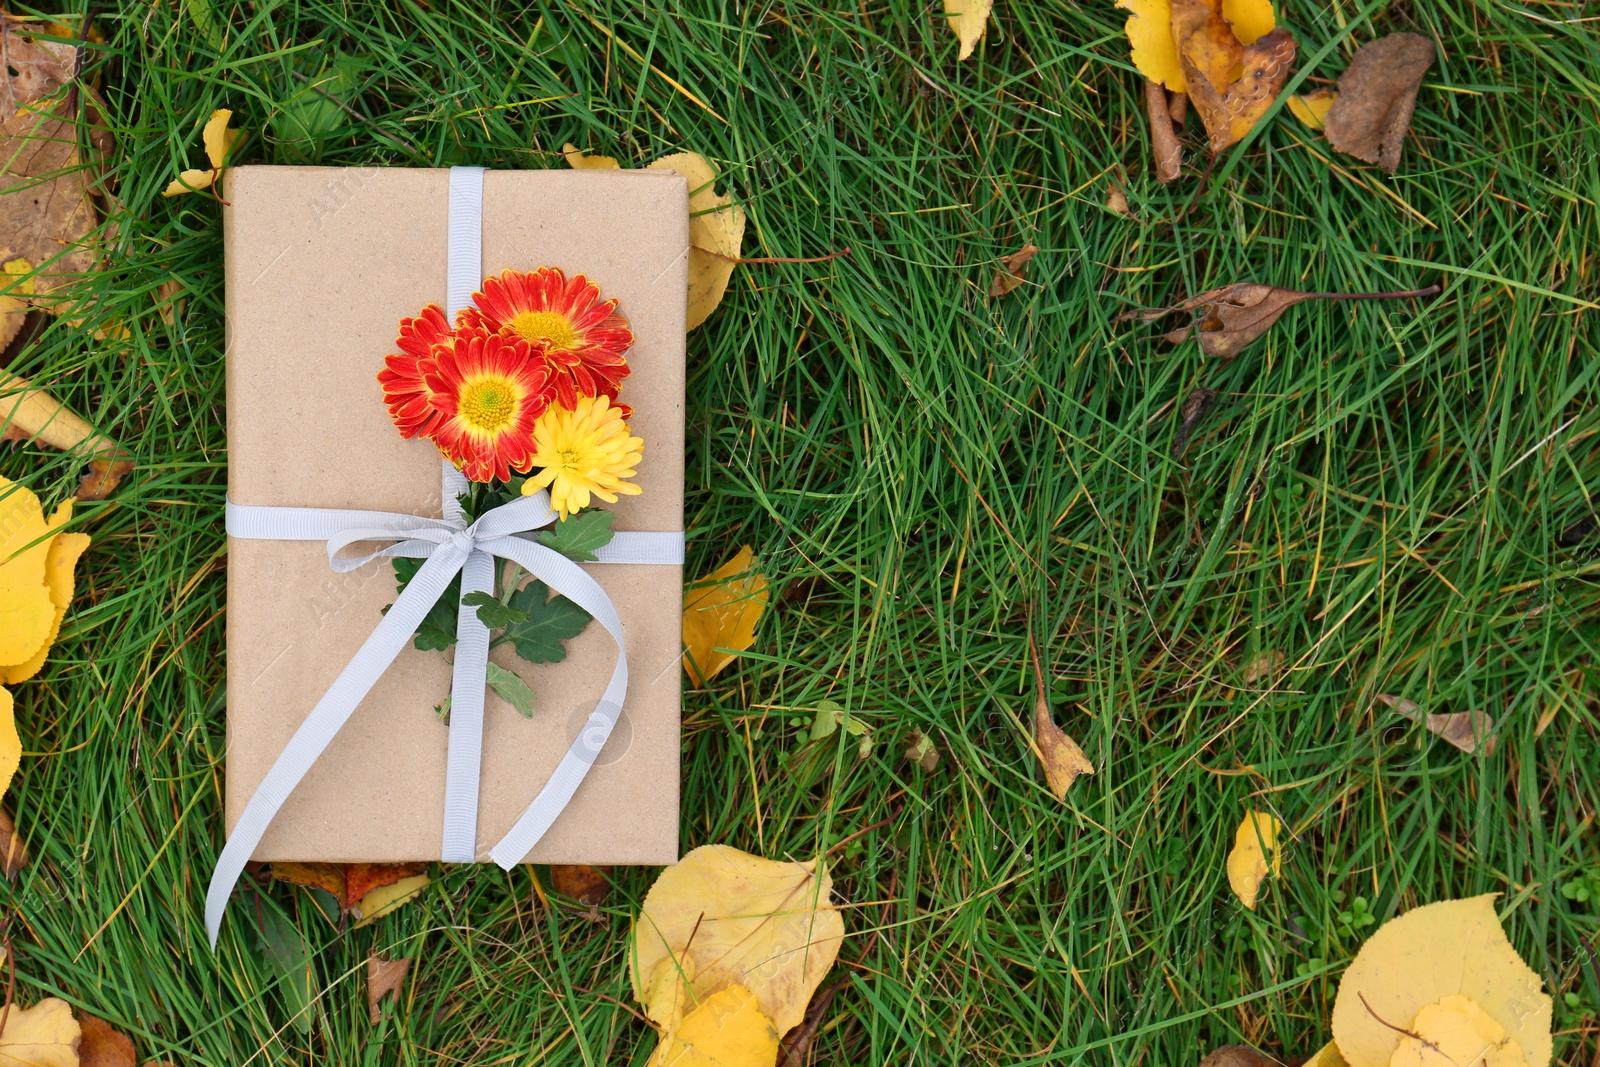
x=549, y=622
x=437, y=631
x=512, y=689
x=579, y=536
x=492, y=613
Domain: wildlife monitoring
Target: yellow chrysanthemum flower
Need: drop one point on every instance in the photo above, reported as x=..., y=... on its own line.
x=583, y=451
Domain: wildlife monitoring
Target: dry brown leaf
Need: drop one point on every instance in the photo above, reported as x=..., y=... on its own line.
x=795, y=1049
x=1229, y=318
x=170, y=301
x=921, y=751
x=578, y=160
x=47, y=213
x=1461, y=728
x=1163, y=138
x=45, y=1035
x=1058, y=753
x=30, y=414
x=1263, y=667
x=969, y=20
x=1312, y=108
x=1194, y=408
x=1377, y=95
x=1012, y=269
x=1117, y=200
x=349, y=883
x=725, y=918
x=1436, y=971
x=102, y=1045
x=716, y=234
x=384, y=976
x=1239, y=1056
x=1231, y=84
x=13, y=852
x=581, y=882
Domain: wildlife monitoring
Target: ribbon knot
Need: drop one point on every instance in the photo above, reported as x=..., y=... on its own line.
x=447, y=546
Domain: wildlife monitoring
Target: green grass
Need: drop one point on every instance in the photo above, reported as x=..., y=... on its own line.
x=928, y=475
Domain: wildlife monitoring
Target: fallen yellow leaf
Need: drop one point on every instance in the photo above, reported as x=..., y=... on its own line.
x=716, y=234
x=1326, y=1056
x=384, y=977
x=1247, y=863
x=1154, y=50
x=45, y=1035
x=1458, y=1030
x=219, y=141
x=969, y=19
x=1437, y=956
x=1231, y=83
x=720, y=613
x=578, y=161
x=10, y=742
x=31, y=414
x=726, y=918
x=1251, y=19
x=384, y=899
x=1312, y=108
x=1058, y=753
x=726, y=1030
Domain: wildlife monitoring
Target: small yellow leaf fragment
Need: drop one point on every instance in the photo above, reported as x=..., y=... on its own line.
x=969, y=19
x=726, y=1030
x=720, y=613
x=190, y=181
x=1247, y=863
x=1459, y=1031
x=10, y=741
x=1428, y=956
x=1312, y=108
x=1251, y=19
x=387, y=898
x=1326, y=1056
x=577, y=160
x=722, y=918
x=1063, y=760
x=218, y=139
x=1154, y=51
x=716, y=234
x=45, y=1035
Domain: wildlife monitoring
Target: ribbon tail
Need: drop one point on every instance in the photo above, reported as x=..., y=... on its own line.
x=325, y=720
x=570, y=580
x=465, y=756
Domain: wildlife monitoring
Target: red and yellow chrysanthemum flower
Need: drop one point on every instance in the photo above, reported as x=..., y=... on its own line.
x=404, y=388
x=488, y=391
x=582, y=451
x=581, y=337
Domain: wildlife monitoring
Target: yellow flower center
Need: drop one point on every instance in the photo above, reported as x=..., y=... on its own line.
x=550, y=326
x=488, y=403
x=569, y=460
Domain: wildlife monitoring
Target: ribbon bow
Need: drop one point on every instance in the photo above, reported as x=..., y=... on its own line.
x=447, y=545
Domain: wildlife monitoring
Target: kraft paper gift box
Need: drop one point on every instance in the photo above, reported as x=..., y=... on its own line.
x=322, y=264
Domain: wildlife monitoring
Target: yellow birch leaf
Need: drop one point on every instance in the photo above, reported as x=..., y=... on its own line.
x=577, y=160
x=45, y=1035
x=716, y=234
x=732, y=919
x=218, y=139
x=1312, y=108
x=726, y=1030
x=1459, y=1030
x=666, y=994
x=188, y=182
x=969, y=19
x=59, y=565
x=1247, y=863
x=720, y=612
x=26, y=609
x=10, y=742
x=1450, y=949
x=1150, y=38
x=1251, y=19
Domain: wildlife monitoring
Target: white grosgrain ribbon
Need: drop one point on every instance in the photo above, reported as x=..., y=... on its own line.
x=447, y=546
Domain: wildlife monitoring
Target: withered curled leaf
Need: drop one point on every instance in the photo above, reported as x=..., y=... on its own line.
x=1232, y=84
x=1377, y=96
